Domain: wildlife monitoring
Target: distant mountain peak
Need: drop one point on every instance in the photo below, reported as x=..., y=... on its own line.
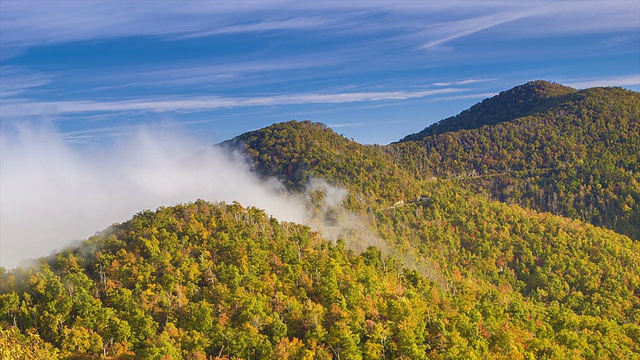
x=522, y=100
x=542, y=88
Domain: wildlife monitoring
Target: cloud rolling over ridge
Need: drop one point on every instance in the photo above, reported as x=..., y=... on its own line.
x=53, y=192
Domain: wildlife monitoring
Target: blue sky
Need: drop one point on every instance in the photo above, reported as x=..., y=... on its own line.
x=374, y=71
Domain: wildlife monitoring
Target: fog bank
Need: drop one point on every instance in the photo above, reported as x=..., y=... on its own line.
x=53, y=192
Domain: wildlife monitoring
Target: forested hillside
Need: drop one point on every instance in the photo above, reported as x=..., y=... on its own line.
x=461, y=270
x=575, y=154
x=528, y=99
x=229, y=282
x=296, y=152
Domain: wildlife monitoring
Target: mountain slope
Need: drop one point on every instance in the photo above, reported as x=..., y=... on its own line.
x=296, y=152
x=528, y=99
x=579, y=157
x=220, y=280
x=575, y=154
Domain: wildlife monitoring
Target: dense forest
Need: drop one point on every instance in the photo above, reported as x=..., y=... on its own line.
x=543, y=146
x=221, y=280
x=471, y=258
x=531, y=98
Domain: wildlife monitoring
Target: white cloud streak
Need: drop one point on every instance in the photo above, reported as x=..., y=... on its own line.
x=16, y=81
x=288, y=24
x=461, y=82
x=478, y=96
x=539, y=19
x=29, y=23
x=20, y=108
x=627, y=80
x=449, y=31
x=185, y=74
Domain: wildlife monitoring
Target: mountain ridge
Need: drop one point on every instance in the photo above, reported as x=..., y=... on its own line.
x=569, y=137
x=579, y=158
x=522, y=100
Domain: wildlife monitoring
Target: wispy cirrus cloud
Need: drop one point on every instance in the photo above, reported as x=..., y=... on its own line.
x=298, y=23
x=531, y=19
x=192, y=74
x=16, y=80
x=344, y=125
x=24, y=24
x=625, y=80
x=584, y=17
x=478, y=96
x=461, y=82
x=13, y=108
x=452, y=30
x=111, y=59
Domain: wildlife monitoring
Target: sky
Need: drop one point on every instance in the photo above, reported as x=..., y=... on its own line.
x=110, y=107
x=374, y=71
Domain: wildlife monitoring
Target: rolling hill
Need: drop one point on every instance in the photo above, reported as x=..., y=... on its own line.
x=531, y=98
x=571, y=153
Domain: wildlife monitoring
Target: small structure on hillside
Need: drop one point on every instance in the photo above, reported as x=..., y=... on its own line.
x=419, y=200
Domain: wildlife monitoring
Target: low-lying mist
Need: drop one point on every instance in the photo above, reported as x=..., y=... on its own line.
x=53, y=192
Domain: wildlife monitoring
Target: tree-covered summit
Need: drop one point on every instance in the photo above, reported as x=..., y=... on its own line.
x=579, y=157
x=527, y=99
x=297, y=151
